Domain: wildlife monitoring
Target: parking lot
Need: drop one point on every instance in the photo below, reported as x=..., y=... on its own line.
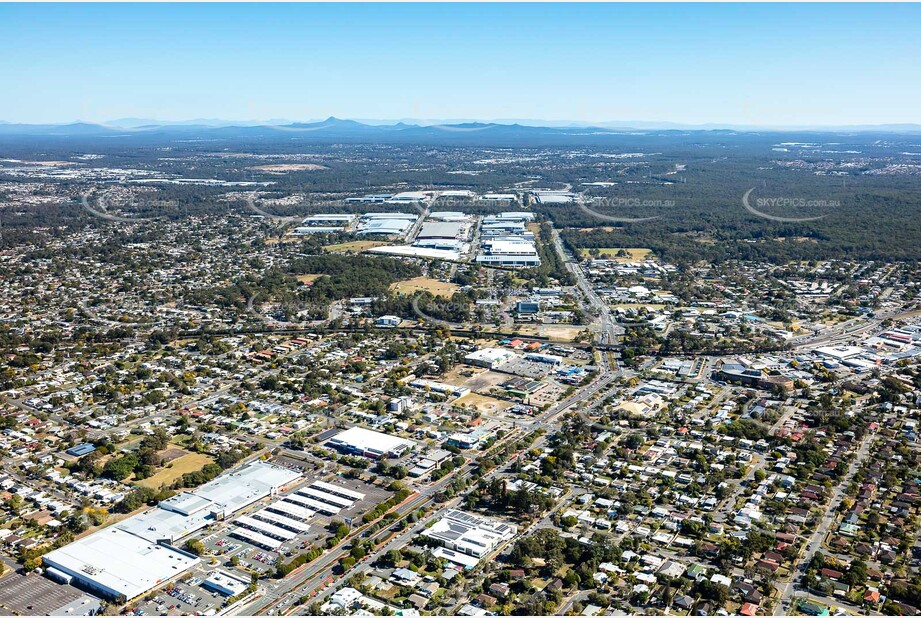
x=525, y=367
x=183, y=598
x=35, y=595
x=225, y=546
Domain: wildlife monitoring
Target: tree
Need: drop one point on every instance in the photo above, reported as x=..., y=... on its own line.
x=120, y=468
x=195, y=546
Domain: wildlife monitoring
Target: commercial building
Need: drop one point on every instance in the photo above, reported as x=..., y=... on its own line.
x=739, y=374
x=388, y=321
x=489, y=357
x=527, y=307
x=521, y=253
x=315, y=229
x=439, y=387
x=470, y=534
x=227, y=584
x=374, y=198
x=545, y=196
x=384, y=223
x=449, y=230
x=468, y=440
x=448, y=215
x=538, y=357
x=494, y=226
x=384, y=227
x=117, y=564
x=360, y=441
x=410, y=197
x=457, y=194
x=318, y=224
x=418, y=252
x=129, y=558
x=329, y=219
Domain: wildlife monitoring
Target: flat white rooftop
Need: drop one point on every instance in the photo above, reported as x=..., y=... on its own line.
x=118, y=563
x=365, y=440
x=407, y=251
x=338, y=490
x=131, y=557
x=291, y=507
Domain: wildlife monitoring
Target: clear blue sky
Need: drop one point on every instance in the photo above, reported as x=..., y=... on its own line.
x=778, y=64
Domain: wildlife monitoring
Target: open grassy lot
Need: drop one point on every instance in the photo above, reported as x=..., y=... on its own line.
x=356, y=246
x=190, y=462
x=309, y=278
x=420, y=284
x=611, y=253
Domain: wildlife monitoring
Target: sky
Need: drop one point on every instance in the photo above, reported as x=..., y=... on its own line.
x=732, y=64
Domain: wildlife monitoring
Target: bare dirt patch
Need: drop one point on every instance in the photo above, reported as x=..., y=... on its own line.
x=483, y=403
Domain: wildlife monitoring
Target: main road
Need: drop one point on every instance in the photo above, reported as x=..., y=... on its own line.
x=814, y=543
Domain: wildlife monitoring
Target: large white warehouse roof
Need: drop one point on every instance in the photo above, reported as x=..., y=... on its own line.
x=119, y=564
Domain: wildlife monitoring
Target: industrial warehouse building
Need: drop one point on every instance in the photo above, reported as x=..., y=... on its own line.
x=318, y=224
x=516, y=252
x=449, y=230
x=129, y=558
x=374, y=444
x=385, y=223
x=470, y=534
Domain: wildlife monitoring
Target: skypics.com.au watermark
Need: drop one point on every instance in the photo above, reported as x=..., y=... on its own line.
x=424, y=312
x=101, y=210
x=621, y=203
x=785, y=203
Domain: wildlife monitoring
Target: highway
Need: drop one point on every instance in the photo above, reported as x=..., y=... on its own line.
x=608, y=329
x=850, y=329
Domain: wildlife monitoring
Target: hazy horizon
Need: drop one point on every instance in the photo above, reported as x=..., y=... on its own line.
x=780, y=65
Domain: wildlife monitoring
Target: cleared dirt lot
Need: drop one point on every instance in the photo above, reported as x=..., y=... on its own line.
x=483, y=403
x=557, y=332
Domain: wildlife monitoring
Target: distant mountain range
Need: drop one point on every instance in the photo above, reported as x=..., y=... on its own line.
x=335, y=123
x=407, y=131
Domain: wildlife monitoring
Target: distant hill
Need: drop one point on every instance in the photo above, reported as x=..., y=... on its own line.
x=334, y=129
